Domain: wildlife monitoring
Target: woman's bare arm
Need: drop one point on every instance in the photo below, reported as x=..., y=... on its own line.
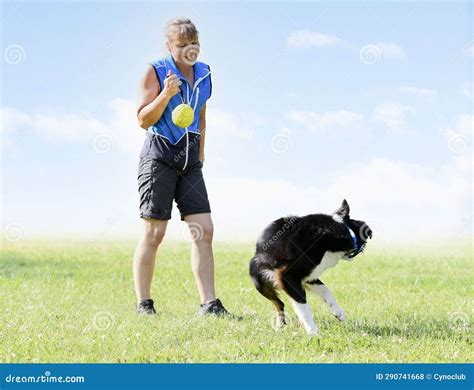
x=151, y=101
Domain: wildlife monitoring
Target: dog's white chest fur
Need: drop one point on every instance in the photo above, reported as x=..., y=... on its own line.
x=329, y=260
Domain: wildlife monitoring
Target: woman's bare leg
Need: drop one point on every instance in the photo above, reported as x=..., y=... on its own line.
x=145, y=254
x=202, y=259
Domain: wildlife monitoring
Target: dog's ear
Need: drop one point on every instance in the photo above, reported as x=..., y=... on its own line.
x=342, y=213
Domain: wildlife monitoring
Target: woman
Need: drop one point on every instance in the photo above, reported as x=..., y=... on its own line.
x=171, y=161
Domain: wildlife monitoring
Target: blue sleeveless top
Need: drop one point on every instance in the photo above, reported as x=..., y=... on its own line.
x=195, y=97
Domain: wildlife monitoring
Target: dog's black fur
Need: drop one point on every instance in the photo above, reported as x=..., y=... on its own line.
x=290, y=248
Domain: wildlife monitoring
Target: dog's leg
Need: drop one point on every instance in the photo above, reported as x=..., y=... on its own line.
x=264, y=282
x=304, y=314
x=280, y=320
x=295, y=290
x=319, y=288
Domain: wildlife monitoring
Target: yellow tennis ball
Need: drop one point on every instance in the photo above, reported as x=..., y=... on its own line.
x=183, y=115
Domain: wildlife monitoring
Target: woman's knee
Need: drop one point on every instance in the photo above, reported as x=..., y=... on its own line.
x=207, y=233
x=154, y=232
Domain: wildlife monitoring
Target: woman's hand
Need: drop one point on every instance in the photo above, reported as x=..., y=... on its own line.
x=172, y=84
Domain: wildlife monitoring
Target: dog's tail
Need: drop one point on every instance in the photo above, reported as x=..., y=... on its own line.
x=263, y=279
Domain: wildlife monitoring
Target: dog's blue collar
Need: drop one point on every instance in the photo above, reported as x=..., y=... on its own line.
x=357, y=249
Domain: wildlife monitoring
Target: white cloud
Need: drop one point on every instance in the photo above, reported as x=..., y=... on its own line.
x=12, y=125
x=463, y=124
x=11, y=118
x=375, y=52
x=304, y=39
x=422, y=92
x=392, y=115
x=459, y=138
x=400, y=200
x=313, y=121
x=391, y=50
x=120, y=126
x=227, y=123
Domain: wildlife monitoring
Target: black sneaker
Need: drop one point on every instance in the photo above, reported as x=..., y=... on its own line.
x=215, y=307
x=146, y=307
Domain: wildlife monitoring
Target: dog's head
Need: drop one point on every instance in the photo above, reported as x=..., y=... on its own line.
x=359, y=230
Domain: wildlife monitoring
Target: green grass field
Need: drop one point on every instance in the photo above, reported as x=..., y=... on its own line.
x=74, y=301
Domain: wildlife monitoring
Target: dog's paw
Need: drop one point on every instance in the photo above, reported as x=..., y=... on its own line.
x=280, y=323
x=339, y=314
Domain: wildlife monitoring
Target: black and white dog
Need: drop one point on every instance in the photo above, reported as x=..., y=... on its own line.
x=293, y=252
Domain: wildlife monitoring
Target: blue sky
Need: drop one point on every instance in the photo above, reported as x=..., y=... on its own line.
x=301, y=115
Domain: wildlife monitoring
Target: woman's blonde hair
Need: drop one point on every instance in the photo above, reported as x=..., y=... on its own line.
x=185, y=28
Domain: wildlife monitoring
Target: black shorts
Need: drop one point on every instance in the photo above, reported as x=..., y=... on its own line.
x=159, y=183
